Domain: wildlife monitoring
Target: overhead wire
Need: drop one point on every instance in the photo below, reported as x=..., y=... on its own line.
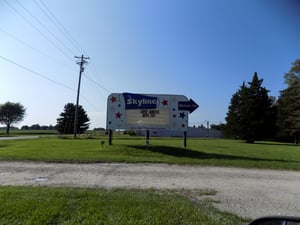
x=45, y=27
x=26, y=44
x=37, y=29
x=45, y=9
x=65, y=33
x=36, y=73
x=95, y=69
x=89, y=102
x=96, y=83
x=45, y=77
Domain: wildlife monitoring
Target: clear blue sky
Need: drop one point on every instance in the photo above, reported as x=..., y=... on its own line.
x=203, y=49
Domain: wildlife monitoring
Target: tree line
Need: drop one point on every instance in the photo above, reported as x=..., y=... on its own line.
x=254, y=115
x=12, y=113
x=38, y=127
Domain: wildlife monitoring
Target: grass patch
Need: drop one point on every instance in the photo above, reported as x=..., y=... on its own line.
x=211, y=152
x=42, y=205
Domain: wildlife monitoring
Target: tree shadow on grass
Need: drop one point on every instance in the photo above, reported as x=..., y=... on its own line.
x=188, y=153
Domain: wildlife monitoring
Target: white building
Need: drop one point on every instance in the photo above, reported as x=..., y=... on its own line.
x=193, y=132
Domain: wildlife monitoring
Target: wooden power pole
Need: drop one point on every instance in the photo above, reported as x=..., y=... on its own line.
x=81, y=63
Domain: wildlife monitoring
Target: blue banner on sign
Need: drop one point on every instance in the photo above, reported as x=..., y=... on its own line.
x=138, y=101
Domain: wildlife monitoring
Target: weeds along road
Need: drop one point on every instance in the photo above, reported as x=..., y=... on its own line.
x=245, y=192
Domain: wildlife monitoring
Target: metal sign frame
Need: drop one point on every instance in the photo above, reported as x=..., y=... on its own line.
x=131, y=111
x=146, y=112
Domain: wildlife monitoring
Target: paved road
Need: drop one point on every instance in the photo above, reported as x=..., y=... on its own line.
x=18, y=137
x=249, y=193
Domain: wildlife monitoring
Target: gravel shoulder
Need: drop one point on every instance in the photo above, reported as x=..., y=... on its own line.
x=246, y=192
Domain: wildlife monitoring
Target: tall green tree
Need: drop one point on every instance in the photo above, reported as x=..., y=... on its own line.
x=251, y=112
x=11, y=113
x=65, y=123
x=289, y=103
x=233, y=119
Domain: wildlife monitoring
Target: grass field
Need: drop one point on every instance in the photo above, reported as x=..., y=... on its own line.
x=41, y=206
x=212, y=152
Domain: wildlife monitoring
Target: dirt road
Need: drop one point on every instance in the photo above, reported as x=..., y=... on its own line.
x=248, y=193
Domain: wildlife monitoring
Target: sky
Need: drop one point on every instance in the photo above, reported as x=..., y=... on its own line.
x=203, y=49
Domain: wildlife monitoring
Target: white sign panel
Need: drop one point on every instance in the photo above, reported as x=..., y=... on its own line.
x=147, y=111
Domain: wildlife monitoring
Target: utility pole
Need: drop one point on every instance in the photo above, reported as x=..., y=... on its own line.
x=81, y=63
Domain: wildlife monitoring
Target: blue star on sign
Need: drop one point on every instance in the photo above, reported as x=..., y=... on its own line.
x=182, y=115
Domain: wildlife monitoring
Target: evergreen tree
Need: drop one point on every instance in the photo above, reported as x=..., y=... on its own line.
x=65, y=123
x=289, y=104
x=233, y=118
x=251, y=112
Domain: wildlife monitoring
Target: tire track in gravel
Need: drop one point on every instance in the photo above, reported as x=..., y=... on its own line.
x=245, y=192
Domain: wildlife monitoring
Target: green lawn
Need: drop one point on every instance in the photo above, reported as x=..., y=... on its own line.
x=212, y=152
x=42, y=206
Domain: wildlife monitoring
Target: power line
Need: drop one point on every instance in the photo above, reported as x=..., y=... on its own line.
x=47, y=78
x=67, y=35
x=65, y=32
x=33, y=48
x=96, y=83
x=42, y=53
x=59, y=25
x=36, y=73
x=46, y=28
x=38, y=30
x=94, y=68
x=89, y=102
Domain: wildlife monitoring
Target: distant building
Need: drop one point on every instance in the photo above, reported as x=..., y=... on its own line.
x=204, y=132
x=193, y=132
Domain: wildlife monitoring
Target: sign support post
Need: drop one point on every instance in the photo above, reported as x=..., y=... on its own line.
x=110, y=137
x=147, y=137
x=184, y=138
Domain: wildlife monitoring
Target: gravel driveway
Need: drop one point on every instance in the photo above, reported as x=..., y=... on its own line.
x=245, y=192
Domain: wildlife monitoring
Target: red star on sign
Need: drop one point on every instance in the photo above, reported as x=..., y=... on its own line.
x=164, y=102
x=118, y=115
x=113, y=99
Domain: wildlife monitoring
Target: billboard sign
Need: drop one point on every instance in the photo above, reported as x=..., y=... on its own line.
x=148, y=111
